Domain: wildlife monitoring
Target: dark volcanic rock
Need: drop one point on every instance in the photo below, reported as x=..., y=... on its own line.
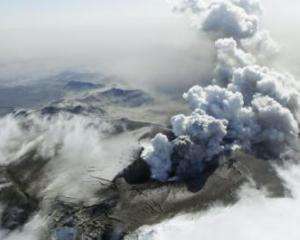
x=131, y=98
x=77, y=109
x=9, y=191
x=14, y=217
x=121, y=97
x=125, y=124
x=20, y=113
x=19, y=206
x=159, y=129
x=137, y=173
x=18, y=188
x=113, y=233
x=81, y=86
x=26, y=172
x=50, y=110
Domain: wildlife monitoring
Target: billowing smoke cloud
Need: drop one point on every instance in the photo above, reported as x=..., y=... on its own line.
x=229, y=56
x=262, y=46
x=256, y=80
x=227, y=19
x=202, y=129
x=247, y=105
x=158, y=157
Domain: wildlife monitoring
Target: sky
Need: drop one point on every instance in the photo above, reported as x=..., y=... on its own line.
x=140, y=41
x=30, y=13
x=34, y=14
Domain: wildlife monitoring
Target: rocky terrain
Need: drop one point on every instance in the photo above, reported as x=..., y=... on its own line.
x=129, y=201
x=130, y=198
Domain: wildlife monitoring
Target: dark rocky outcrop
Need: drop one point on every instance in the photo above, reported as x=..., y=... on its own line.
x=133, y=98
x=158, y=129
x=137, y=173
x=19, y=205
x=124, y=124
x=120, y=97
x=15, y=216
x=77, y=109
x=81, y=86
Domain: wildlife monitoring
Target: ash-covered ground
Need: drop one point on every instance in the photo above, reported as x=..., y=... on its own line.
x=72, y=169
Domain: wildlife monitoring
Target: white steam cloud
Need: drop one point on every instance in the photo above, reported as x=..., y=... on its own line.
x=75, y=149
x=247, y=104
x=158, y=156
x=227, y=19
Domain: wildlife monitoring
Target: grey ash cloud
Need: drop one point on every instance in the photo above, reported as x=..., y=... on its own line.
x=247, y=106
